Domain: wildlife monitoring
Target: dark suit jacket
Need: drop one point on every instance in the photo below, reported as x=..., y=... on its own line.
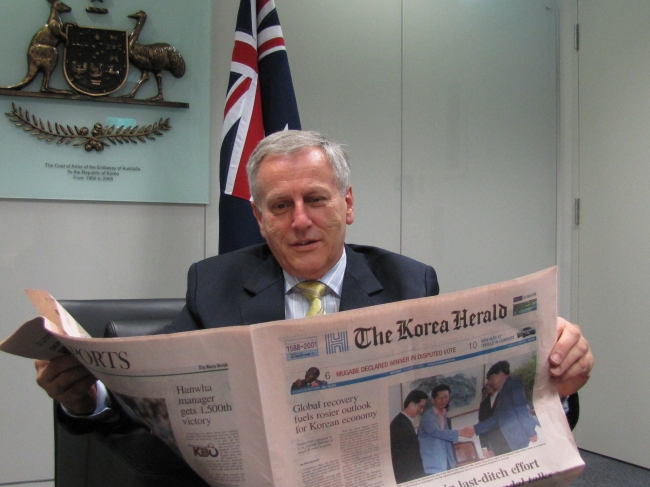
x=405, y=450
x=246, y=286
x=511, y=415
x=492, y=440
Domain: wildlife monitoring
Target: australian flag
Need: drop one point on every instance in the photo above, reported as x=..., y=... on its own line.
x=260, y=101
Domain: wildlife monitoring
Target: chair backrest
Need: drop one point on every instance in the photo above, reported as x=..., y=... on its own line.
x=95, y=314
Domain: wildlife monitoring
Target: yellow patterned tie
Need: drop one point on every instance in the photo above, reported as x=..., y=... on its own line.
x=313, y=291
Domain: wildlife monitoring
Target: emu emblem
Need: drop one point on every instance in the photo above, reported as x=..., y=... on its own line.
x=95, y=61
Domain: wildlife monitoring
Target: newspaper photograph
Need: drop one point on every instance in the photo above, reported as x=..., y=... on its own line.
x=451, y=390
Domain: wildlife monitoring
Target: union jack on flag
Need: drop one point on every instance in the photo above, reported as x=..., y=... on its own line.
x=260, y=101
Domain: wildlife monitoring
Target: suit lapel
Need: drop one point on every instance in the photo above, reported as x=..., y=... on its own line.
x=359, y=283
x=266, y=287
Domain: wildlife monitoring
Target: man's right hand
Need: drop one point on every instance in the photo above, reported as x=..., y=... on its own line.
x=67, y=381
x=467, y=432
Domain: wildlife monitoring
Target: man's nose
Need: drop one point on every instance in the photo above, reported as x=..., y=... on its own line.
x=301, y=219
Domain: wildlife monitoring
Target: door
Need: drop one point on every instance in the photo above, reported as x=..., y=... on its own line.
x=614, y=230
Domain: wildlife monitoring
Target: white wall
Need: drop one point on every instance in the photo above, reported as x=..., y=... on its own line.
x=77, y=251
x=479, y=138
x=452, y=143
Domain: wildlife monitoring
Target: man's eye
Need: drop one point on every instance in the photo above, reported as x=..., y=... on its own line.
x=315, y=199
x=279, y=206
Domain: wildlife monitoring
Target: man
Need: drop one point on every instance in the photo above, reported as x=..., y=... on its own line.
x=435, y=434
x=404, y=444
x=310, y=380
x=492, y=442
x=510, y=413
x=303, y=201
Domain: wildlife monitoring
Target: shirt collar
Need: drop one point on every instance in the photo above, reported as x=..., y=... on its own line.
x=333, y=278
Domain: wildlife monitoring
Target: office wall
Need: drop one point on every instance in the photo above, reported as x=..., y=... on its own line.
x=479, y=138
x=77, y=251
x=451, y=134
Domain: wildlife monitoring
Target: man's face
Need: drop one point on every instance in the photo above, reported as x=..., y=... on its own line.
x=441, y=400
x=495, y=381
x=301, y=212
x=413, y=409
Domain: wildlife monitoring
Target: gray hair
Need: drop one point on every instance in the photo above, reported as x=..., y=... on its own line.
x=290, y=142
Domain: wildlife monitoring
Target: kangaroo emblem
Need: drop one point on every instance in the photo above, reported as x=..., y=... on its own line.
x=42, y=54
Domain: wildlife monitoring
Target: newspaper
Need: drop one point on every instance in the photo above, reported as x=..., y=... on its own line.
x=309, y=402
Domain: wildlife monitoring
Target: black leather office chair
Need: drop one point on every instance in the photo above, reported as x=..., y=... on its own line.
x=136, y=458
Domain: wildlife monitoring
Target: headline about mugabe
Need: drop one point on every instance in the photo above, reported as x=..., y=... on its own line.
x=363, y=337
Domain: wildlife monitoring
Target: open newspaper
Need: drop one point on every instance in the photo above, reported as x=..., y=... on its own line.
x=309, y=402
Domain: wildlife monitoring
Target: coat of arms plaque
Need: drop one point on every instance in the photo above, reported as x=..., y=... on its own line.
x=95, y=61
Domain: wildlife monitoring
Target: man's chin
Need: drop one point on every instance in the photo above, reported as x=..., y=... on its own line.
x=307, y=269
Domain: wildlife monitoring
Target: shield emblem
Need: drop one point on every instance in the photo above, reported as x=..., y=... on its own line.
x=95, y=61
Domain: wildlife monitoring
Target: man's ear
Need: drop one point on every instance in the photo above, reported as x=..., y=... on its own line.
x=258, y=217
x=349, y=202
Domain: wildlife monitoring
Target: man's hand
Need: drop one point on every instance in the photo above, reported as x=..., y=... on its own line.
x=467, y=432
x=67, y=381
x=571, y=359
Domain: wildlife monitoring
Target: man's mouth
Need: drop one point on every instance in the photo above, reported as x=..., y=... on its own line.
x=304, y=243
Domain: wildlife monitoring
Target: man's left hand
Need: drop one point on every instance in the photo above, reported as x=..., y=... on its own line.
x=571, y=358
